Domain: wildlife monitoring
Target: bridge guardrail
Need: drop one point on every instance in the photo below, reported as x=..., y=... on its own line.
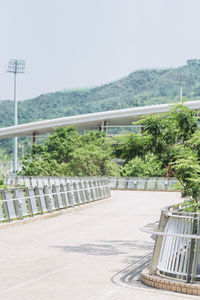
x=18, y=203
x=136, y=183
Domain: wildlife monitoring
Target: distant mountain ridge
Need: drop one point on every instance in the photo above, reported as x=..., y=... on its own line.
x=140, y=88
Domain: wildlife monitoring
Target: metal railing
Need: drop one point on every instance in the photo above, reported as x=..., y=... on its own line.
x=17, y=203
x=149, y=183
x=177, y=247
x=136, y=183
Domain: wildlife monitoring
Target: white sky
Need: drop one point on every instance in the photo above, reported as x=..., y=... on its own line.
x=83, y=43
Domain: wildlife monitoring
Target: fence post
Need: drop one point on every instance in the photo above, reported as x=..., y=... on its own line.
x=196, y=254
x=48, y=199
x=64, y=195
x=191, y=252
x=71, y=194
x=158, y=243
x=31, y=201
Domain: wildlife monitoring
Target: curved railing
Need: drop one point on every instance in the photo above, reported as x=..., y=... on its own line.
x=21, y=202
x=177, y=244
x=146, y=183
x=122, y=183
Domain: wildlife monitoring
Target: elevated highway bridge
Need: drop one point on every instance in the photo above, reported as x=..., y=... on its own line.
x=99, y=120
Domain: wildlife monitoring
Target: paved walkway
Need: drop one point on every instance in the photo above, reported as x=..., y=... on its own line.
x=95, y=253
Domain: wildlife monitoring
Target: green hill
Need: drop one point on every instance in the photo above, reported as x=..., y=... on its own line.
x=144, y=87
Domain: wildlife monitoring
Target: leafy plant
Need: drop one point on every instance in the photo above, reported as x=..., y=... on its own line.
x=67, y=153
x=138, y=167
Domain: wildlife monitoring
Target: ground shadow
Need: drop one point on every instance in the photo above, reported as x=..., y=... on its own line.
x=133, y=264
x=131, y=273
x=105, y=248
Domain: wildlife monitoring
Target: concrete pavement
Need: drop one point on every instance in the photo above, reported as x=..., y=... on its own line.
x=95, y=253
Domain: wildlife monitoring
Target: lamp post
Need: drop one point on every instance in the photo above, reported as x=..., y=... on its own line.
x=15, y=66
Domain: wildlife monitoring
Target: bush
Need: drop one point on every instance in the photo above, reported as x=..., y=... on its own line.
x=139, y=167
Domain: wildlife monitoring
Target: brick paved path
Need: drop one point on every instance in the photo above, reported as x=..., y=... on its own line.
x=94, y=253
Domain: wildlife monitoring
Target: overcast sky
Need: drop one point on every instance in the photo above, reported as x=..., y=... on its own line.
x=83, y=43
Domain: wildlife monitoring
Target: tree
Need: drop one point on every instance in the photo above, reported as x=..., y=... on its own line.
x=131, y=145
x=168, y=142
x=67, y=153
x=175, y=142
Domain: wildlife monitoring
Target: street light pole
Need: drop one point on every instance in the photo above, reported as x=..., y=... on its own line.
x=15, y=66
x=16, y=122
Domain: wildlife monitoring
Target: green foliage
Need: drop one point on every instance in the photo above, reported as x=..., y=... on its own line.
x=183, y=122
x=171, y=142
x=165, y=133
x=59, y=146
x=1, y=182
x=67, y=153
x=148, y=167
x=194, y=143
x=131, y=145
x=187, y=170
x=5, y=165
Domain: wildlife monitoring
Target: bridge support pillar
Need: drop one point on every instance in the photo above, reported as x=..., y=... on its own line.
x=33, y=142
x=103, y=127
x=33, y=138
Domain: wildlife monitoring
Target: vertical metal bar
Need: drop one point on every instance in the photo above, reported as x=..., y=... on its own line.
x=71, y=193
x=82, y=196
x=191, y=252
x=84, y=185
x=165, y=245
x=126, y=183
x=95, y=190
x=64, y=195
x=187, y=247
x=179, y=246
x=169, y=240
x=88, y=191
x=196, y=254
x=179, y=267
x=161, y=256
x=16, y=121
x=174, y=245
x=31, y=201
x=103, y=188
x=49, y=199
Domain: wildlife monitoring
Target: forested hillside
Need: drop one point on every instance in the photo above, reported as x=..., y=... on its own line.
x=140, y=88
x=143, y=87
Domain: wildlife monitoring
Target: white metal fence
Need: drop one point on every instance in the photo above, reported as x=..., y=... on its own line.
x=136, y=183
x=177, y=247
x=18, y=203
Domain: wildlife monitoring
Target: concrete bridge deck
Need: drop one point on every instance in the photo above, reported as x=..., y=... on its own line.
x=92, y=253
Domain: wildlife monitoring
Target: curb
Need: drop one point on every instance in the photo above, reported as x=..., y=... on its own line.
x=169, y=284
x=141, y=190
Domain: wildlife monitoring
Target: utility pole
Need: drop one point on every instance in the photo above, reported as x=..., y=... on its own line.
x=15, y=66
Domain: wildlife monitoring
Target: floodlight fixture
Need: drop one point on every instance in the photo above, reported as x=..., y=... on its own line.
x=16, y=66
